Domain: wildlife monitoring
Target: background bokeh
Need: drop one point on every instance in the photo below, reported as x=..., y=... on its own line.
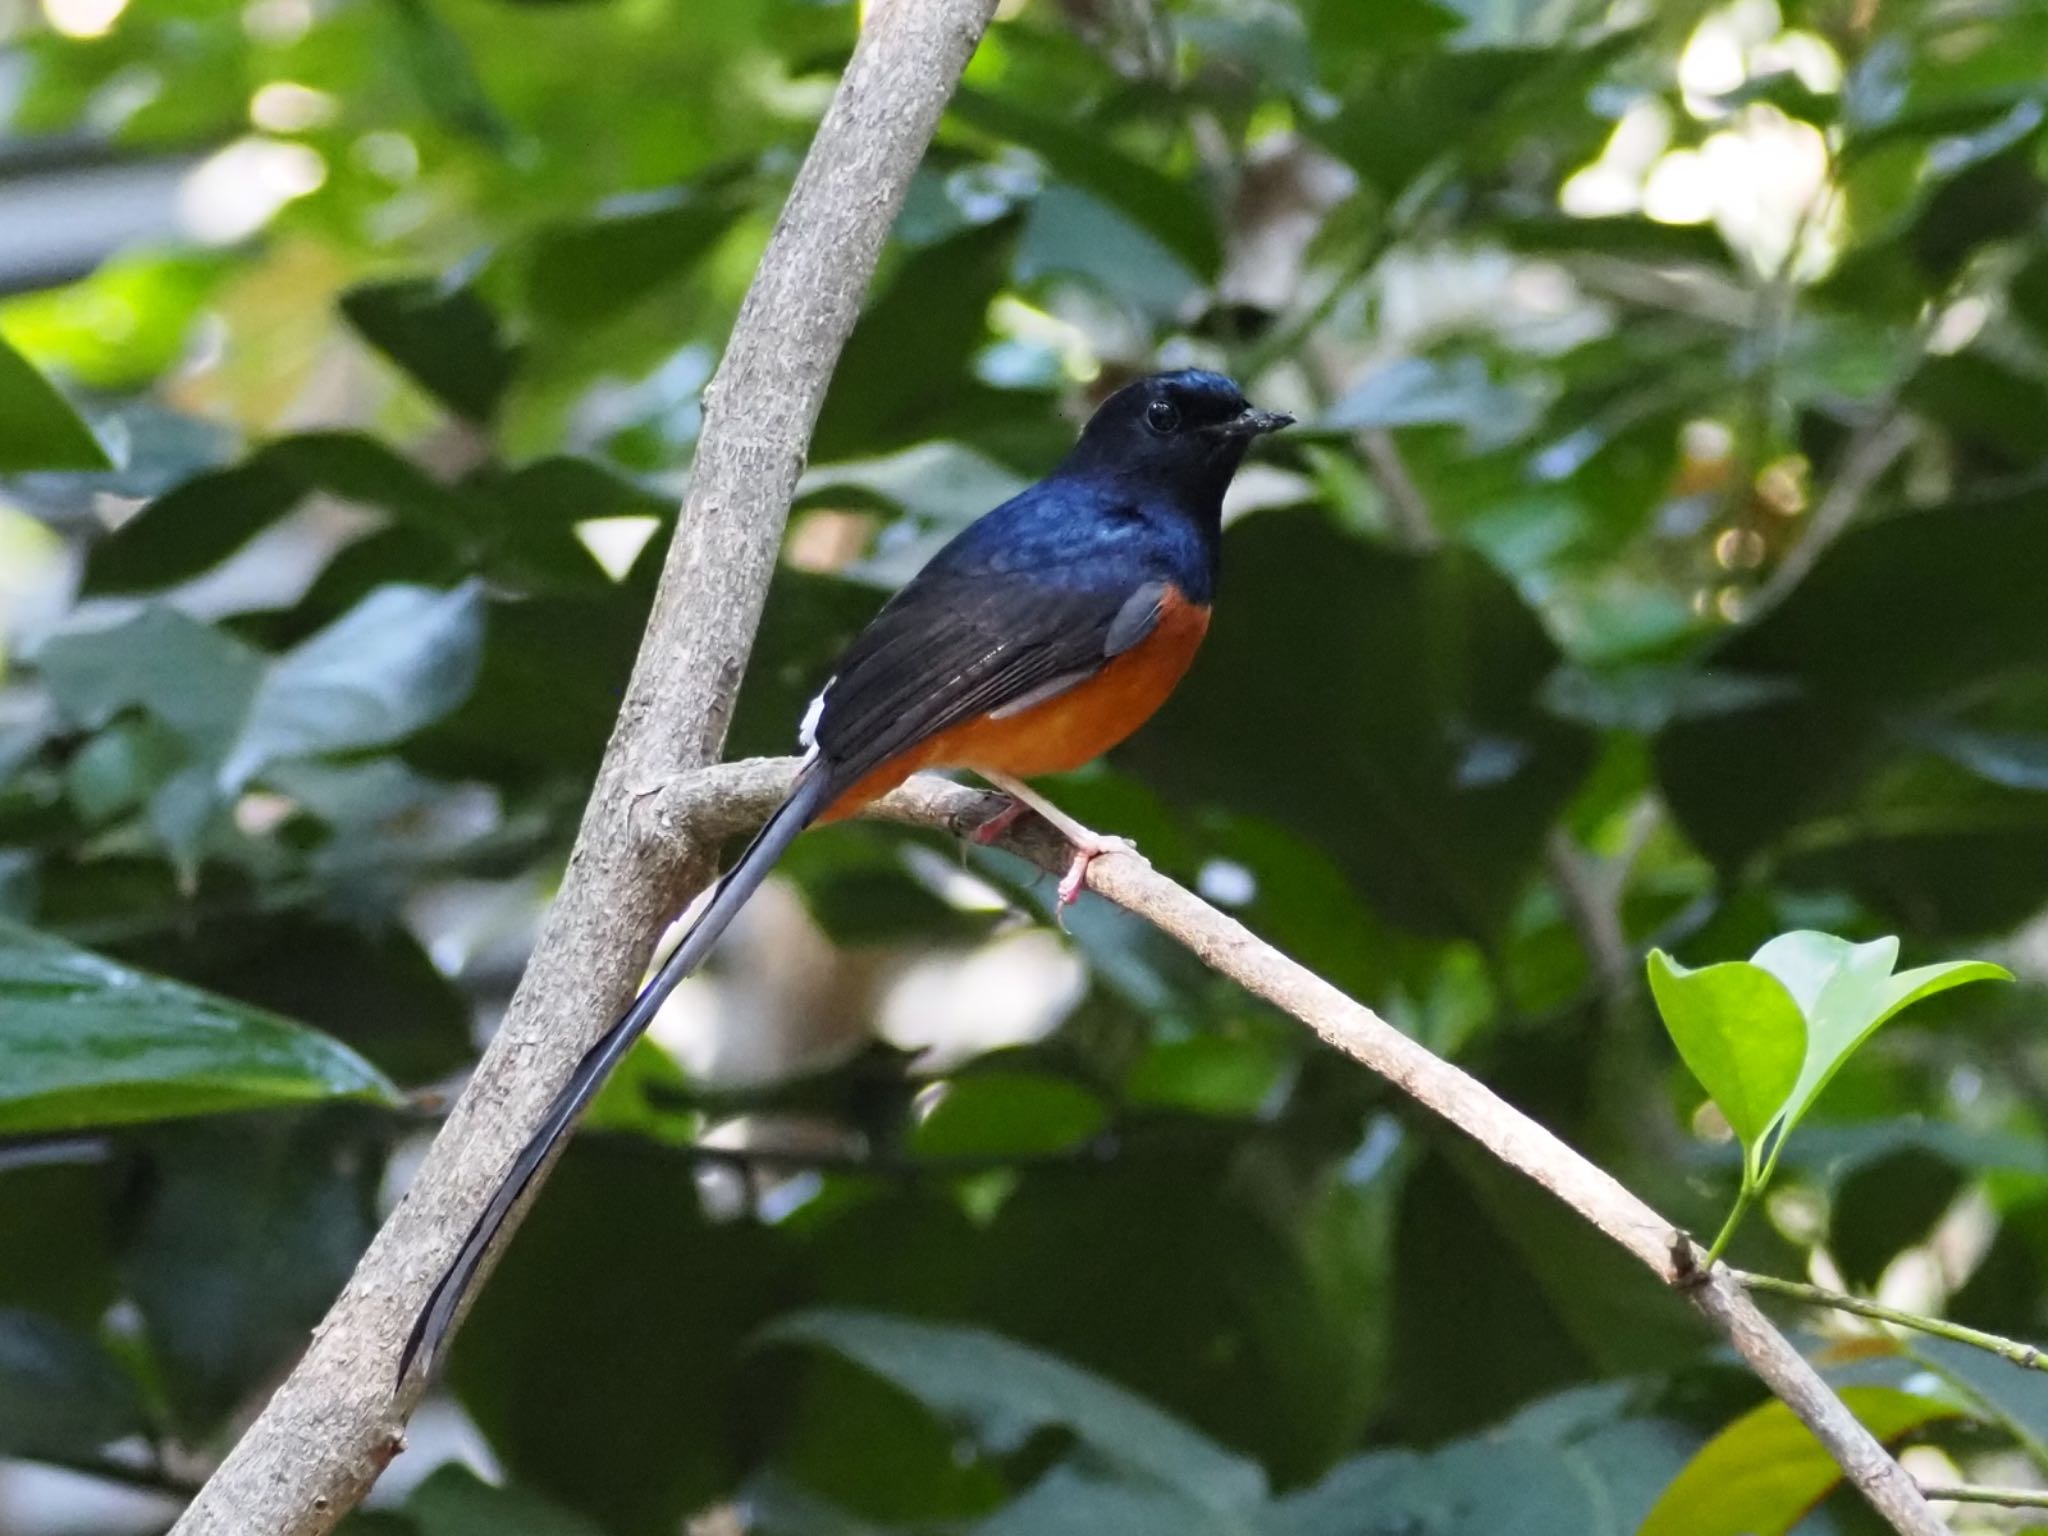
x=1660, y=562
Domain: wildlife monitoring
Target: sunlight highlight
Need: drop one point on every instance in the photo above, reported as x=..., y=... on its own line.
x=83, y=18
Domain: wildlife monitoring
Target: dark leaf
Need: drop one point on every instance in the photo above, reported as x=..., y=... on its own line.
x=246, y=1234
x=38, y=427
x=602, y=1361
x=61, y=1395
x=446, y=337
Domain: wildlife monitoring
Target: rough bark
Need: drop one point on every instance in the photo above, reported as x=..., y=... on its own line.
x=335, y=1423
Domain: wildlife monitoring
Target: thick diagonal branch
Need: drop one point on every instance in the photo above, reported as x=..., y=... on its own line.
x=715, y=803
x=333, y=1425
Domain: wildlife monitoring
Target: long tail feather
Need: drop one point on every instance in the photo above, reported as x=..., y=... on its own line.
x=430, y=1330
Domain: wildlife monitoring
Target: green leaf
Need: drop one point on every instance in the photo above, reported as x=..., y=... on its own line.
x=1761, y=1474
x=454, y=1501
x=86, y=1042
x=446, y=337
x=578, y=274
x=1173, y=212
x=1845, y=991
x=1008, y=1114
x=1007, y=1391
x=1740, y=1033
x=398, y=660
x=38, y=427
x=197, y=679
x=1487, y=1485
x=201, y=521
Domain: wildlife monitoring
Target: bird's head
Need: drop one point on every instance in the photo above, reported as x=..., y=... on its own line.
x=1185, y=431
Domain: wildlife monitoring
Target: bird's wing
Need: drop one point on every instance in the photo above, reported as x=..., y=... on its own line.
x=946, y=650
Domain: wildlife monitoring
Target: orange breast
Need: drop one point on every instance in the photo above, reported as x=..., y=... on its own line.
x=1066, y=730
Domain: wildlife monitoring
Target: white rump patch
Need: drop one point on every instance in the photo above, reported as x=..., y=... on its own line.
x=807, y=728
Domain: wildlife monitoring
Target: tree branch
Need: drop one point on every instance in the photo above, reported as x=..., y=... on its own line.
x=712, y=804
x=334, y=1424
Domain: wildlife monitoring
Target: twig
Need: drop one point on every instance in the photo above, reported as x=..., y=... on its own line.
x=1984, y=1493
x=2018, y=1353
x=715, y=803
x=334, y=1424
x=1591, y=899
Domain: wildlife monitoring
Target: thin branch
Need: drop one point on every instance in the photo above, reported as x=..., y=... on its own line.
x=2019, y=1353
x=714, y=803
x=1983, y=1493
x=1591, y=898
x=335, y=1423
x=1408, y=512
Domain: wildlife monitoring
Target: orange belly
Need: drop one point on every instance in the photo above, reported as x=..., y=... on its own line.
x=1066, y=730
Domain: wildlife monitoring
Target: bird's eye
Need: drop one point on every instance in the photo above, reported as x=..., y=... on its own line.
x=1161, y=416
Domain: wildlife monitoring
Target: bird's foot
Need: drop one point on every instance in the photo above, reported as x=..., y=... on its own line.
x=988, y=831
x=1086, y=851
x=1087, y=845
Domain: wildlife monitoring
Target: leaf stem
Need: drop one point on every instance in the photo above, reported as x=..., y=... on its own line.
x=1983, y=1493
x=2020, y=1354
x=1735, y=1214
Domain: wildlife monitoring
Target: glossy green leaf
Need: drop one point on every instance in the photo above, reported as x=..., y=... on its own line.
x=86, y=1042
x=1760, y=1475
x=38, y=427
x=1007, y=1390
x=1846, y=991
x=1740, y=1032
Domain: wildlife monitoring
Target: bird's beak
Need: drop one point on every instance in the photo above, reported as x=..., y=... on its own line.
x=1253, y=422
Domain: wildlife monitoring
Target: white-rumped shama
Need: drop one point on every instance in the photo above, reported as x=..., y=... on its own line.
x=1042, y=635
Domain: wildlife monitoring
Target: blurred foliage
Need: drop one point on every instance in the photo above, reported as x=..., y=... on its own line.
x=1658, y=565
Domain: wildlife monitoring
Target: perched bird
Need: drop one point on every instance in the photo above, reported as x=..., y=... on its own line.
x=1042, y=635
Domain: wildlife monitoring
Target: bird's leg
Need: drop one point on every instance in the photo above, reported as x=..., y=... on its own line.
x=1088, y=845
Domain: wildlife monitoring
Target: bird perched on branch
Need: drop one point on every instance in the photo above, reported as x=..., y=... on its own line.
x=1037, y=639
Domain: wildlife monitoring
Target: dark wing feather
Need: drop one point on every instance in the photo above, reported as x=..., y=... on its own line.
x=946, y=650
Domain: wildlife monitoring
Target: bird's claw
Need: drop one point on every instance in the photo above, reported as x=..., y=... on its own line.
x=1086, y=852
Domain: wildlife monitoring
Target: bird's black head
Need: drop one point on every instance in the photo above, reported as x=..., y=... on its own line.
x=1186, y=432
